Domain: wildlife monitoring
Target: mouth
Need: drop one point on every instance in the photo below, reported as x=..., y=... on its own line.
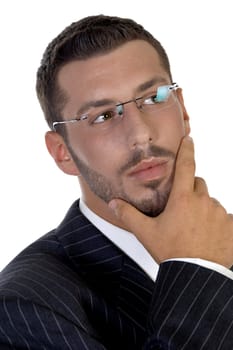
x=150, y=169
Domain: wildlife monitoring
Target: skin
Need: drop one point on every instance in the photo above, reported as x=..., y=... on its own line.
x=193, y=224
x=189, y=223
x=103, y=161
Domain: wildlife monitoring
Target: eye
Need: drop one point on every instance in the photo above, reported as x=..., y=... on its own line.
x=103, y=117
x=151, y=100
x=161, y=95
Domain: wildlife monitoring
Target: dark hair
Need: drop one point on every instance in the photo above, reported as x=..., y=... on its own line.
x=91, y=36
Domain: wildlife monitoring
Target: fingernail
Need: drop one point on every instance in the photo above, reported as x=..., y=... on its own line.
x=113, y=205
x=189, y=138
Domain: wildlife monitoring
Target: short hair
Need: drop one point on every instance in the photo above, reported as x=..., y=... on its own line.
x=86, y=38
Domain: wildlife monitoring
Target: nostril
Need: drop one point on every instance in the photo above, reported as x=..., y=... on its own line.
x=139, y=143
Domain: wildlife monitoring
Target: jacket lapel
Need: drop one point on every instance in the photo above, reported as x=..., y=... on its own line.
x=119, y=292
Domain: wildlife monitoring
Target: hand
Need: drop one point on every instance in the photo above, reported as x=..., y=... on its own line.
x=193, y=225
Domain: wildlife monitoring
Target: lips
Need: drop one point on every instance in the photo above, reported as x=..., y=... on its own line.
x=150, y=169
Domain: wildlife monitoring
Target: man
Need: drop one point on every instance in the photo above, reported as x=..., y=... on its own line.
x=119, y=123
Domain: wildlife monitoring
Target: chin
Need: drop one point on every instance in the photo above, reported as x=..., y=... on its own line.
x=153, y=205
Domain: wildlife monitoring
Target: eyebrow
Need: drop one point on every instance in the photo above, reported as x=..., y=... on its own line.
x=148, y=84
x=106, y=101
x=94, y=103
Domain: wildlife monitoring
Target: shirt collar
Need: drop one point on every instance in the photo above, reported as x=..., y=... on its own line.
x=124, y=240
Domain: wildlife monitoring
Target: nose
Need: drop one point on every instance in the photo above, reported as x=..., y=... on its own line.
x=137, y=126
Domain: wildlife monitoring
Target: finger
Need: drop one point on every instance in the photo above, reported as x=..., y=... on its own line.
x=218, y=205
x=200, y=186
x=185, y=168
x=130, y=217
x=215, y=201
x=134, y=221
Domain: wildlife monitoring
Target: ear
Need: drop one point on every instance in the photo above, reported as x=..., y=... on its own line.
x=184, y=111
x=60, y=153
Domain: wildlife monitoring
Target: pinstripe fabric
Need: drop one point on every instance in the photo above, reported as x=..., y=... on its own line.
x=73, y=289
x=192, y=308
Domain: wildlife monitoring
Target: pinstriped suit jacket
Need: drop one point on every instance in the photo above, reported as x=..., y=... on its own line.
x=73, y=289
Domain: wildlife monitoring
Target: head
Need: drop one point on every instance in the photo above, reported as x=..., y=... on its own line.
x=94, y=64
x=90, y=37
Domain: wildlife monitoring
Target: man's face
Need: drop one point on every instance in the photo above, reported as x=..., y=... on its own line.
x=132, y=158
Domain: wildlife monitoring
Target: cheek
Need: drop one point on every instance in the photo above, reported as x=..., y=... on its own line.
x=177, y=128
x=99, y=153
x=172, y=130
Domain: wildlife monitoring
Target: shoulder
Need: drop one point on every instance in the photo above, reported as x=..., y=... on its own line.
x=41, y=289
x=44, y=272
x=41, y=280
x=38, y=268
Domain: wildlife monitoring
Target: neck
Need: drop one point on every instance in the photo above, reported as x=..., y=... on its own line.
x=98, y=206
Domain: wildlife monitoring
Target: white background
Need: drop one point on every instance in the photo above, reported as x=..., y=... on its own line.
x=34, y=194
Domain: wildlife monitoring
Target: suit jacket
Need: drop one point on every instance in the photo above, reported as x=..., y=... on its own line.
x=74, y=289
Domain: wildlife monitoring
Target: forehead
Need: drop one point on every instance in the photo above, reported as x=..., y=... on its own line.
x=113, y=75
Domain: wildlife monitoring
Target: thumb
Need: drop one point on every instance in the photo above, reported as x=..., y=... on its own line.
x=144, y=227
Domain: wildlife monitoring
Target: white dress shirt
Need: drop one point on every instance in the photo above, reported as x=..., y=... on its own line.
x=130, y=245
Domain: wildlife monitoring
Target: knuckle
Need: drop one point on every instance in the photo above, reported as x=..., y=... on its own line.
x=200, y=180
x=216, y=203
x=204, y=198
x=230, y=221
